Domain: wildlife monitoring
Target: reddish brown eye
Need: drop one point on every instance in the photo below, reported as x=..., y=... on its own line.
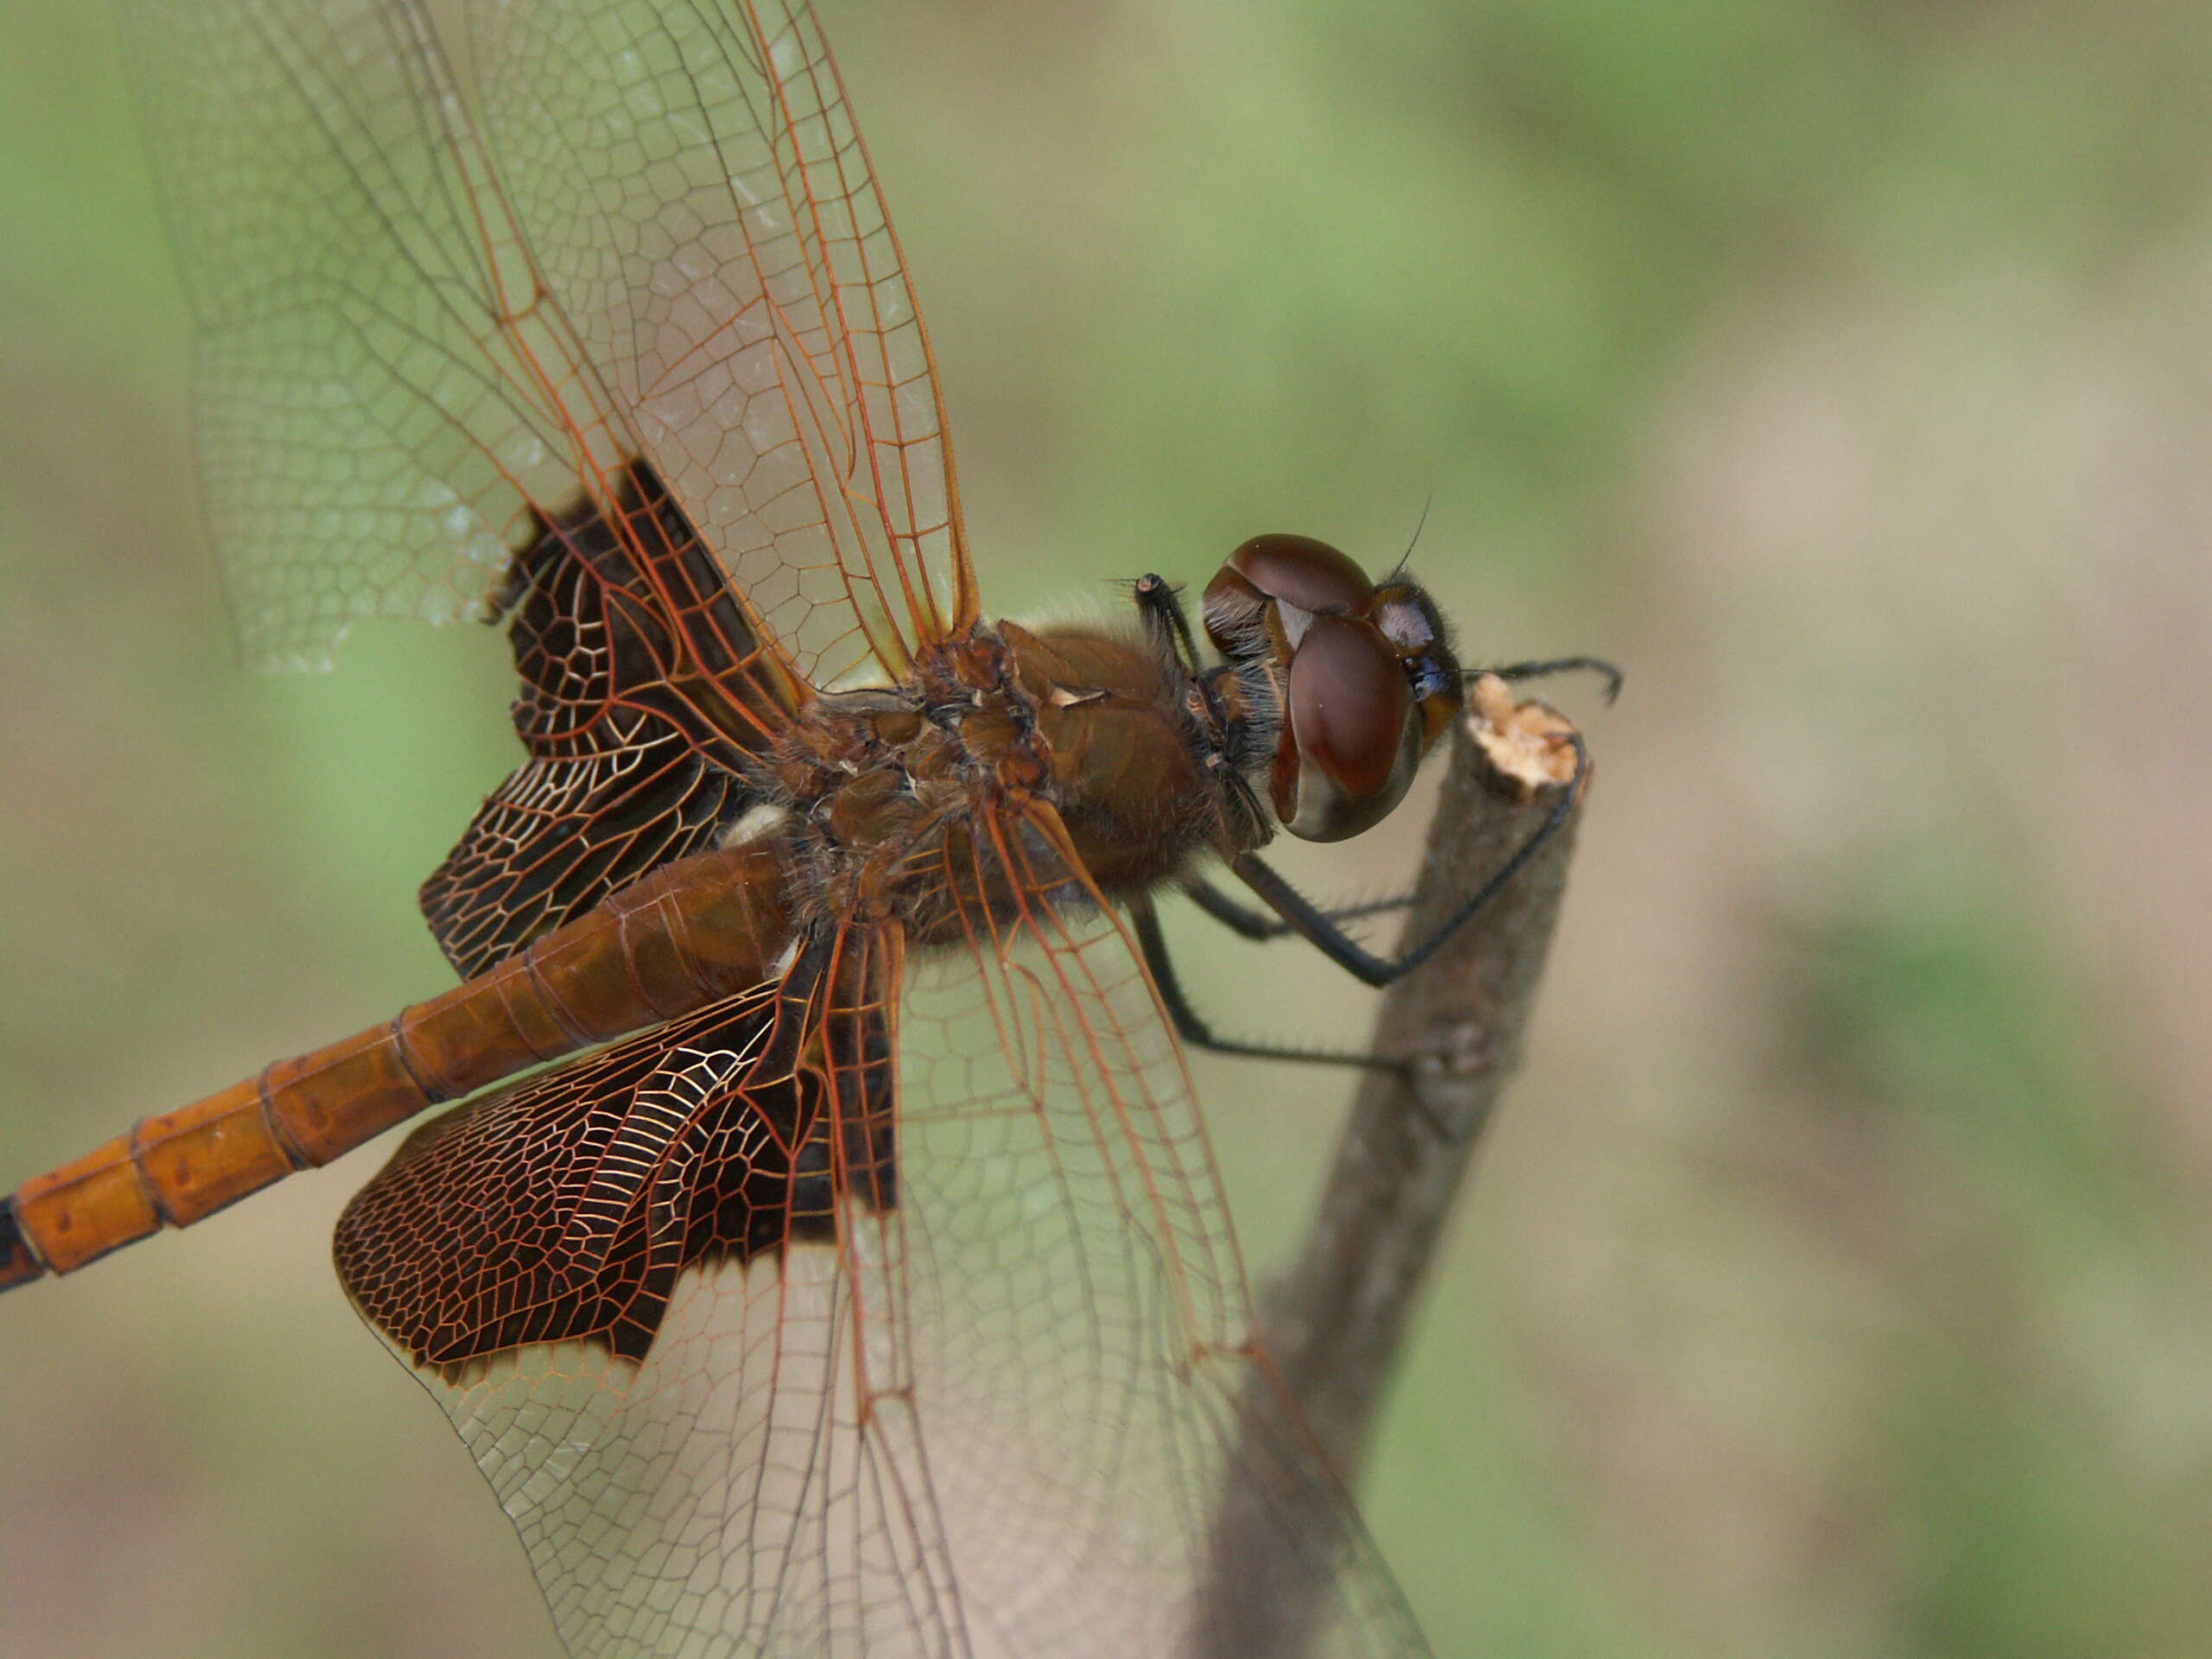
x=1348, y=700
x=1299, y=570
x=1269, y=589
x=1354, y=737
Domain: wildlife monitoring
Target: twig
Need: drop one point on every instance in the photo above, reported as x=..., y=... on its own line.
x=1335, y=1320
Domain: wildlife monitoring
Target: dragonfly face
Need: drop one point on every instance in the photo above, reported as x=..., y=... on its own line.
x=1367, y=678
x=866, y=1287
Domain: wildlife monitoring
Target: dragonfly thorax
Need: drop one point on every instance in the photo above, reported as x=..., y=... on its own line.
x=884, y=788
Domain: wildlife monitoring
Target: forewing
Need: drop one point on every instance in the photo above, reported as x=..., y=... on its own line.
x=435, y=317
x=996, y=1409
x=703, y=208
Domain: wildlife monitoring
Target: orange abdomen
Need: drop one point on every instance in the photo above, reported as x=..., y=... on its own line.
x=691, y=933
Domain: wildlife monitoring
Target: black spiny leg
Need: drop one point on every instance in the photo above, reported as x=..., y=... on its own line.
x=1307, y=918
x=1597, y=666
x=1245, y=922
x=1193, y=1029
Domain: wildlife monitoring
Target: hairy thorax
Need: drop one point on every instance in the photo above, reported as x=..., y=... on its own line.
x=911, y=802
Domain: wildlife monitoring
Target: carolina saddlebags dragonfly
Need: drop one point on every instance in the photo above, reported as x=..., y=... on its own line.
x=827, y=1259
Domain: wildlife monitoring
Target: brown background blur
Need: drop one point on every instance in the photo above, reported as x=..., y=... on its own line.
x=1837, y=1280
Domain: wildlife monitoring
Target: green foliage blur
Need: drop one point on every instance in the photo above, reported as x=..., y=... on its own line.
x=1836, y=1281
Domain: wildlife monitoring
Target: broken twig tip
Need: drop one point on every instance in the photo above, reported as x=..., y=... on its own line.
x=1530, y=746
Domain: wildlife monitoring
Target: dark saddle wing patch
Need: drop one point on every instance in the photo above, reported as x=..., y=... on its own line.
x=565, y=1209
x=643, y=691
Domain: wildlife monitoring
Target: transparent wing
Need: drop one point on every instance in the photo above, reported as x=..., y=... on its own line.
x=1081, y=1314
x=978, y=1381
x=435, y=313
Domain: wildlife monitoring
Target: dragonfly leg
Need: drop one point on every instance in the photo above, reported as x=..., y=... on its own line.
x=1597, y=666
x=1193, y=1028
x=1316, y=925
x=1252, y=923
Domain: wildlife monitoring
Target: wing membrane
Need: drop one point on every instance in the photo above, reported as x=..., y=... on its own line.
x=703, y=206
x=379, y=404
x=1052, y=1152
x=435, y=315
x=986, y=1401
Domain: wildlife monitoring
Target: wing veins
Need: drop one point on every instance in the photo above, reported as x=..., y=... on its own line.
x=415, y=53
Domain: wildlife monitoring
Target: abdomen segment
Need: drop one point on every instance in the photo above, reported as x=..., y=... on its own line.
x=692, y=933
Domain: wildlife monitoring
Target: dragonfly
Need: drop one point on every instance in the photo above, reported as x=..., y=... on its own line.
x=822, y=1254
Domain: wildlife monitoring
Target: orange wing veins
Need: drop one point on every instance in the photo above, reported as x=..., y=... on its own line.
x=562, y=1211
x=644, y=689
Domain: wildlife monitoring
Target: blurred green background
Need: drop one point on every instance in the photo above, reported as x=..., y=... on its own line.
x=1838, y=1279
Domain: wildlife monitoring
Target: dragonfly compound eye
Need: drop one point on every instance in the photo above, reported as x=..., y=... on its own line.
x=1272, y=587
x=1355, y=734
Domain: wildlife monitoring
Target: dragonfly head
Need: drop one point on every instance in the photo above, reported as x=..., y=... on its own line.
x=1370, y=681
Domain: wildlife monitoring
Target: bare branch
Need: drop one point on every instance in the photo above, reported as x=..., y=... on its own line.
x=1335, y=1321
